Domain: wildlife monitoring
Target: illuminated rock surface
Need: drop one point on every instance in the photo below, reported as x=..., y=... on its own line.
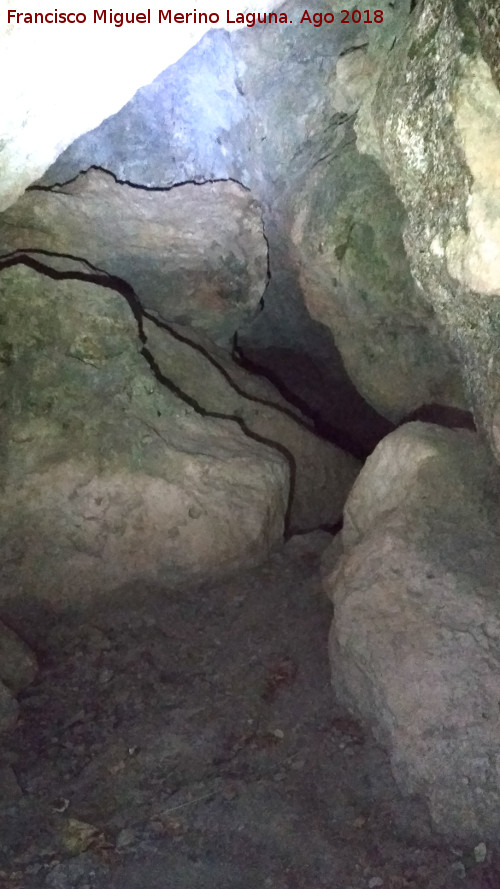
x=73, y=89
x=414, y=643
x=433, y=123
x=195, y=254
x=108, y=477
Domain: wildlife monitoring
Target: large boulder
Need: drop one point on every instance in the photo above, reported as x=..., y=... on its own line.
x=433, y=123
x=108, y=476
x=415, y=640
x=195, y=253
x=345, y=223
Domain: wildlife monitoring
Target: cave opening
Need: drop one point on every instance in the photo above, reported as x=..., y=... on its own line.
x=247, y=374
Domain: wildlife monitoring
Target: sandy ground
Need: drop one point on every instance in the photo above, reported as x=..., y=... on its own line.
x=191, y=739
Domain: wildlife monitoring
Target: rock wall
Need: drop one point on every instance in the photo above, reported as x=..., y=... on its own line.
x=64, y=79
x=196, y=255
x=414, y=644
x=433, y=123
x=135, y=451
x=346, y=229
x=273, y=108
x=427, y=82
x=360, y=239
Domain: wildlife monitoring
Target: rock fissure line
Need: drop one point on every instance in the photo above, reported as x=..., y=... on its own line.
x=121, y=287
x=205, y=180
x=198, y=346
x=204, y=378
x=339, y=437
x=218, y=415
x=96, y=276
x=102, y=278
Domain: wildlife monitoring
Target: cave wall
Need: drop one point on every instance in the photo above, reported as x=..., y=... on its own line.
x=348, y=185
x=273, y=107
x=433, y=123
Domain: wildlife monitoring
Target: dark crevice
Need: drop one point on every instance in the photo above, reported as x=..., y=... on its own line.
x=332, y=529
x=334, y=155
x=136, y=185
x=352, y=49
x=339, y=437
x=442, y=415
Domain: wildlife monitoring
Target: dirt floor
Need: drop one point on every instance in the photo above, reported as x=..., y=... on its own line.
x=191, y=740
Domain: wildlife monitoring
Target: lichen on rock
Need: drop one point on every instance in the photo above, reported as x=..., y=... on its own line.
x=108, y=476
x=433, y=122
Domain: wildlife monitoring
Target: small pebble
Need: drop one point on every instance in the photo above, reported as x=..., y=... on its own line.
x=375, y=882
x=125, y=838
x=480, y=853
x=105, y=676
x=459, y=870
x=297, y=764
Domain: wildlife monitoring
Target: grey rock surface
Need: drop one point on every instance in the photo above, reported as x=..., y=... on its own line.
x=356, y=280
x=237, y=106
x=197, y=254
x=42, y=112
x=273, y=109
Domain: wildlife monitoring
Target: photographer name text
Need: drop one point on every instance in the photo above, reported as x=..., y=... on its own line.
x=170, y=17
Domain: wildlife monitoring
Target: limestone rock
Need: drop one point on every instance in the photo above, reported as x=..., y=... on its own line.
x=322, y=474
x=108, y=477
x=356, y=280
x=415, y=641
x=18, y=666
x=236, y=106
x=433, y=122
x=195, y=253
x=181, y=127
x=10, y=791
x=354, y=73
